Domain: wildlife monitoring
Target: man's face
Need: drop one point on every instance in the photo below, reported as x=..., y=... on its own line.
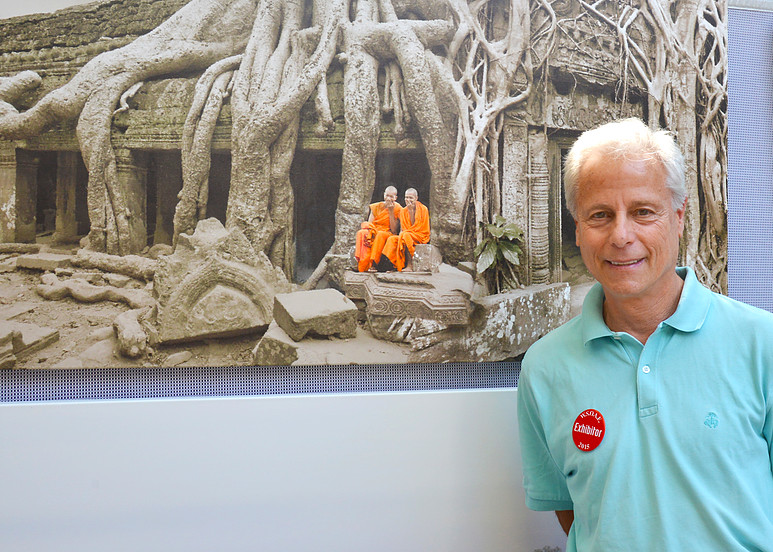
x=390, y=196
x=627, y=230
x=410, y=198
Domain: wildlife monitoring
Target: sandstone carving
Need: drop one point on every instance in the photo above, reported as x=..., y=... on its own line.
x=214, y=285
x=397, y=301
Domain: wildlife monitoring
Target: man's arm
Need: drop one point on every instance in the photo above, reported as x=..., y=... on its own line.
x=565, y=518
x=394, y=222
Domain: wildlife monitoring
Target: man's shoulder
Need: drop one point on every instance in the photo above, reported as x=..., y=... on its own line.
x=729, y=311
x=557, y=342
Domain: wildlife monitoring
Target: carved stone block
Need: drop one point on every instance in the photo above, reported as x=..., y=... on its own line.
x=398, y=303
x=320, y=312
x=214, y=285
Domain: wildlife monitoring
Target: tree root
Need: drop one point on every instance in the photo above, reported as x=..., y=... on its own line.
x=210, y=93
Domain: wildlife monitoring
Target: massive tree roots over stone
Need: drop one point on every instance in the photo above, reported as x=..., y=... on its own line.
x=687, y=93
x=450, y=68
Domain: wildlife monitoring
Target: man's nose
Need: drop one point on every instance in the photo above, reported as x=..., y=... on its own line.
x=622, y=231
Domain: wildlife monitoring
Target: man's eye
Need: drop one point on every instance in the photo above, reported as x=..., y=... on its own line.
x=643, y=212
x=599, y=215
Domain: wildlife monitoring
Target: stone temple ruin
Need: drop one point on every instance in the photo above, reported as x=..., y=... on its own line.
x=213, y=283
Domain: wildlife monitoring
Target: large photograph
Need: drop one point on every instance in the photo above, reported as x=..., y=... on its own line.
x=274, y=182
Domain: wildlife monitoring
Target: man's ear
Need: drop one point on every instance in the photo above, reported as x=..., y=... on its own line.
x=680, y=216
x=576, y=230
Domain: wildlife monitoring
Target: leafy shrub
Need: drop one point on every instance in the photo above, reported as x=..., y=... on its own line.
x=499, y=253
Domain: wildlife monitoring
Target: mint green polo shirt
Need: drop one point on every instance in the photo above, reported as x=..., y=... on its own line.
x=685, y=459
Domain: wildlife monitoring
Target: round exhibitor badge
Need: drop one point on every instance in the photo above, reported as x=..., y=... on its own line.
x=588, y=430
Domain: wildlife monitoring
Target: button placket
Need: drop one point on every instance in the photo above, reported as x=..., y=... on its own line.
x=646, y=378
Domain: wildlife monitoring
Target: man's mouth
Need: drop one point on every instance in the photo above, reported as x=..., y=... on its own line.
x=624, y=263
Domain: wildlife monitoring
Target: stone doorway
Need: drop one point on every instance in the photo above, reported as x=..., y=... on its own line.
x=219, y=186
x=403, y=169
x=45, y=203
x=51, y=196
x=316, y=180
x=565, y=255
x=165, y=180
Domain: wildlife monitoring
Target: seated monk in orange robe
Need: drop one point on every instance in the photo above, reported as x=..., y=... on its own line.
x=414, y=228
x=383, y=222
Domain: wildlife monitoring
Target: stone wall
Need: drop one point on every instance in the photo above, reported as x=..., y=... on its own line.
x=80, y=25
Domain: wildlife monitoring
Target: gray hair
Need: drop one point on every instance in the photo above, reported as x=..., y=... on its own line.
x=628, y=139
x=412, y=190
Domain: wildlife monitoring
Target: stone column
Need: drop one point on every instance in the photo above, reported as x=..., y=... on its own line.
x=132, y=172
x=66, y=185
x=169, y=181
x=26, y=196
x=538, y=242
x=7, y=192
x=515, y=181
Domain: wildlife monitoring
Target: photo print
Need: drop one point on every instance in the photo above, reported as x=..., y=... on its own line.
x=220, y=183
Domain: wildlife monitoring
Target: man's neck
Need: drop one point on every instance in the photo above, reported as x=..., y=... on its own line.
x=640, y=317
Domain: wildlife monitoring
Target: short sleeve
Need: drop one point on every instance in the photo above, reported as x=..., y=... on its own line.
x=543, y=481
x=767, y=428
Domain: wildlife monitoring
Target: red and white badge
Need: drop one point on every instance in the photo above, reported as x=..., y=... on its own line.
x=588, y=430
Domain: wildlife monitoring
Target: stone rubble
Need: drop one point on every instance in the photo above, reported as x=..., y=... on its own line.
x=319, y=312
x=275, y=348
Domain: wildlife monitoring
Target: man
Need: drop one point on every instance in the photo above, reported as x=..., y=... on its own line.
x=414, y=228
x=383, y=221
x=647, y=421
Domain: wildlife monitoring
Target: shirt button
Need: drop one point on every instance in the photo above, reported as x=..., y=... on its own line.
x=646, y=369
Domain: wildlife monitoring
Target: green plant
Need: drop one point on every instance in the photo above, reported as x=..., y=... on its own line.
x=499, y=253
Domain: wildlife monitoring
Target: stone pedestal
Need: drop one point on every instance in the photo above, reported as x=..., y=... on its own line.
x=26, y=196
x=398, y=304
x=66, y=186
x=132, y=179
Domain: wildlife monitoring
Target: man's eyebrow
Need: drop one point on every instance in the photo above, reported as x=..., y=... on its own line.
x=606, y=206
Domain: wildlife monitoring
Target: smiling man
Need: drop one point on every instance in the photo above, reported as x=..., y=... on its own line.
x=646, y=422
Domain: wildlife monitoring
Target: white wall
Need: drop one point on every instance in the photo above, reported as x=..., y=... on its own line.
x=360, y=472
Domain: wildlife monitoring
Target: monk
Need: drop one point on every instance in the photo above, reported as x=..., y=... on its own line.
x=383, y=222
x=414, y=228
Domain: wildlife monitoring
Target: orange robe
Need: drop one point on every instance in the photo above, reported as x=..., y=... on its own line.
x=373, y=235
x=410, y=235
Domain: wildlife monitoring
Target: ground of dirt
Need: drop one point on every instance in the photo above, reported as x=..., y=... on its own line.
x=87, y=340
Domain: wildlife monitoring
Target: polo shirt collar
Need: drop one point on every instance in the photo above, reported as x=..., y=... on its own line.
x=690, y=313
x=693, y=305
